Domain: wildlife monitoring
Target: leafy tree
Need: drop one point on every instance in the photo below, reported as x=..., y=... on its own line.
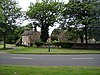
x=10, y=12
x=15, y=34
x=1, y=16
x=84, y=13
x=70, y=21
x=46, y=12
x=94, y=30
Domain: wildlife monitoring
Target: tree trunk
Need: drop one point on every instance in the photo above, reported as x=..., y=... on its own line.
x=4, y=39
x=86, y=40
x=82, y=39
x=44, y=33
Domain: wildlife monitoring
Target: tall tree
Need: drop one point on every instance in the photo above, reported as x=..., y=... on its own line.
x=81, y=13
x=46, y=12
x=94, y=31
x=10, y=12
x=71, y=18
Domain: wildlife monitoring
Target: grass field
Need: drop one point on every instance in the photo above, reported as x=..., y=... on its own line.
x=1, y=46
x=32, y=50
x=8, y=46
x=35, y=50
x=26, y=70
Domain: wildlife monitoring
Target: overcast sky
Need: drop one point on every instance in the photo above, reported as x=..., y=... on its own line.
x=24, y=5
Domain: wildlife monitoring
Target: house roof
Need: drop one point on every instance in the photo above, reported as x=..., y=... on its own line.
x=28, y=32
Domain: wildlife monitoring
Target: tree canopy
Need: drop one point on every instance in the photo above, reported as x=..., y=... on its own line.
x=10, y=11
x=84, y=14
x=46, y=12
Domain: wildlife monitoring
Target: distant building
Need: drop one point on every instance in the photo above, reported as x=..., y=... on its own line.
x=29, y=37
x=64, y=36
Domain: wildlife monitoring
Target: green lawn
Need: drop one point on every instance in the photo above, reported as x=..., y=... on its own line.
x=35, y=50
x=1, y=46
x=26, y=70
x=8, y=46
x=32, y=50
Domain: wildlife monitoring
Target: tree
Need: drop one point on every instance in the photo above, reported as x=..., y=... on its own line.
x=71, y=21
x=10, y=12
x=46, y=12
x=1, y=16
x=83, y=14
x=94, y=31
x=15, y=34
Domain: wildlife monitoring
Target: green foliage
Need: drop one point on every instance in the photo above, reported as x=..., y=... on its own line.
x=66, y=45
x=38, y=44
x=15, y=35
x=62, y=44
x=56, y=43
x=84, y=13
x=46, y=12
x=10, y=12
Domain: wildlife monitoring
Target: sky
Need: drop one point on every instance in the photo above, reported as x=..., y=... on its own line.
x=24, y=5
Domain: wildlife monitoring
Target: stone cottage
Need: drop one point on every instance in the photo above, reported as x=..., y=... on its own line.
x=29, y=37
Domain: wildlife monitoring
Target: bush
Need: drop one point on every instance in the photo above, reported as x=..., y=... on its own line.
x=86, y=46
x=57, y=44
x=66, y=45
x=38, y=44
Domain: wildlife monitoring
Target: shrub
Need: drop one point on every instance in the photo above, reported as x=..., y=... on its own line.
x=38, y=44
x=66, y=45
x=56, y=44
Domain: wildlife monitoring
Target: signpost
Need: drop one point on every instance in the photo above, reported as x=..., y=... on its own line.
x=49, y=41
x=49, y=48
